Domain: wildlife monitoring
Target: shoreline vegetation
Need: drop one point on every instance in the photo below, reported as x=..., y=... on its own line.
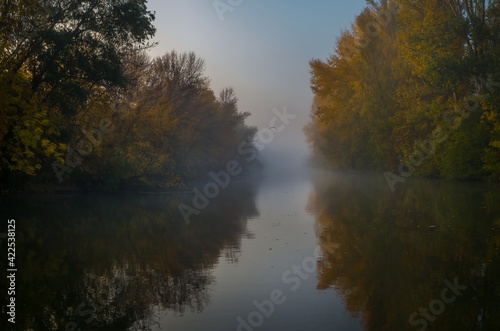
x=250, y=175
x=84, y=107
x=412, y=89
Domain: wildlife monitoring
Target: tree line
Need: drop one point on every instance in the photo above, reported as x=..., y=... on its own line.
x=413, y=88
x=82, y=103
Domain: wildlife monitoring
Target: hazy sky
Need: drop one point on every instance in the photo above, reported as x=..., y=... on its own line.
x=261, y=48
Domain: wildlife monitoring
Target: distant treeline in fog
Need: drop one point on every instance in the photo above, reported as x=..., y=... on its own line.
x=83, y=105
x=412, y=88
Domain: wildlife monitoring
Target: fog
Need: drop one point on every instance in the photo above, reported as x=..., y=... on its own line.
x=283, y=148
x=262, y=50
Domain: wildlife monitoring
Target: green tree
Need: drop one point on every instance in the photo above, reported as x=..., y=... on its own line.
x=54, y=55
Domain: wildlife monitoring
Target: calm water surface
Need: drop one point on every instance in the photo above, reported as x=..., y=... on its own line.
x=317, y=252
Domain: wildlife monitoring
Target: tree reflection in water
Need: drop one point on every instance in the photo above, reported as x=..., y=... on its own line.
x=389, y=254
x=107, y=262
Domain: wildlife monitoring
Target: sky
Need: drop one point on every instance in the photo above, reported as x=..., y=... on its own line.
x=261, y=48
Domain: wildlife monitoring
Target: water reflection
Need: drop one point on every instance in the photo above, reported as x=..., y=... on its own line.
x=390, y=254
x=132, y=263
x=111, y=263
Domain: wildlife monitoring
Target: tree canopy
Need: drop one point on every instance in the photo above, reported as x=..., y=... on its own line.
x=82, y=103
x=413, y=83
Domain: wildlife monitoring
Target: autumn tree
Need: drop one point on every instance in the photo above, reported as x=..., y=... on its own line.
x=354, y=100
x=54, y=56
x=409, y=74
x=168, y=125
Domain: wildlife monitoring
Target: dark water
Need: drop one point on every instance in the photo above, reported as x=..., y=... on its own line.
x=318, y=253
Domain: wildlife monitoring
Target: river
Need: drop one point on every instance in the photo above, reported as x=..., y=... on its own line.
x=315, y=251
